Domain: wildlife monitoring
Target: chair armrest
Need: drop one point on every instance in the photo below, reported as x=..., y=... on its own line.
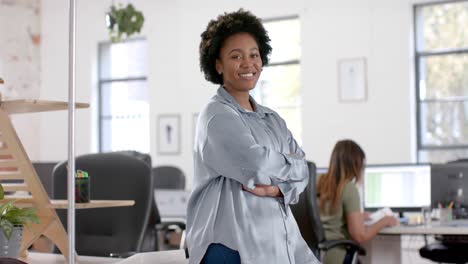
x=122, y=254
x=326, y=245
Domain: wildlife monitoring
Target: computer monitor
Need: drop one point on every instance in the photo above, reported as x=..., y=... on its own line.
x=449, y=183
x=402, y=187
x=321, y=171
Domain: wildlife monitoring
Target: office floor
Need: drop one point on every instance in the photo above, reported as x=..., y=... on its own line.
x=410, y=249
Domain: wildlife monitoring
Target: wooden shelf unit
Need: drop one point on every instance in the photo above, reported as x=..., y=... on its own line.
x=15, y=165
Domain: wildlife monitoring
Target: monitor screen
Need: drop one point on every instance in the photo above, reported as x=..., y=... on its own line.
x=397, y=186
x=449, y=182
x=321, y=171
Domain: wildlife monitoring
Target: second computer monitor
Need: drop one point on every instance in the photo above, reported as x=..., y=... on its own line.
x=401, y=186
x=321, y=170
x=449, y=183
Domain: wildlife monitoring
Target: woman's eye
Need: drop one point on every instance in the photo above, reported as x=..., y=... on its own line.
x=236, y=57
x=255, y=55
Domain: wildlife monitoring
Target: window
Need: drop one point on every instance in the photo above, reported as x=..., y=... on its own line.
x=279, y=85
x=123, y=96
x=441, y=38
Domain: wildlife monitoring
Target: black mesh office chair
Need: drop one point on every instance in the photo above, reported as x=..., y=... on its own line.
x=447, y=251
x=139, y=155
x=109, y=231
x=168, y=177
x=307, y=215
x=172, y=178
x=44, y=171
x=461, y=160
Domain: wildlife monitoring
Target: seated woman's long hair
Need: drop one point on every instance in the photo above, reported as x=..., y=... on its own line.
x=346, y=164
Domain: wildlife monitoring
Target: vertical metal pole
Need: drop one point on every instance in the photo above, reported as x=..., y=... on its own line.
x=71, y=131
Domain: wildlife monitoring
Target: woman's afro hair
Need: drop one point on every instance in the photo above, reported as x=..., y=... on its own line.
x=223, y=27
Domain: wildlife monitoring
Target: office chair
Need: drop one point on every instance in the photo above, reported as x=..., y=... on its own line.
x=44, y=171
x=446, y=252
x=307, y=215
x=461, y=160
x=172, y=178
x=168, y=177
x=139, y=155
x=150, y=238
x=115, y=231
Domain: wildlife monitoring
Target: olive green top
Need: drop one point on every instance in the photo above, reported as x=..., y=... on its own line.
x=335, y=225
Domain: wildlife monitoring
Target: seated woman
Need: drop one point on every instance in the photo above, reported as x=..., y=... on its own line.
x=339, y=201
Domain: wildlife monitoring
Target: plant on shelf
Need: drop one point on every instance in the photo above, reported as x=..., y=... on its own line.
x=12, y=220
x=123, y=22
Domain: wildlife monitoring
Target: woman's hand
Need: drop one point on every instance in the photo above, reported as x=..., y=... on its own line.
x=264, y=190
x=366, y=216
x=390, y=220
x=360, y=232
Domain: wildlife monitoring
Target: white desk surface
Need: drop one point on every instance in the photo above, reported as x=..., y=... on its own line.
x=48, y=258
x=160, y=257
x=456, y=227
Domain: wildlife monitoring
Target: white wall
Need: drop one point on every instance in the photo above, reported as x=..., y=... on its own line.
x=381, y=32
x=20, y=63
x=332, y=30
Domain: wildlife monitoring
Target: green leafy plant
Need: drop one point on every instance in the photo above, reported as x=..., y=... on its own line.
x=123, y=21
x=11, y=216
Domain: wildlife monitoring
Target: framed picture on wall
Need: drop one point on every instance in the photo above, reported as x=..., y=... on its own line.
x=168, y=129
x=352, y=80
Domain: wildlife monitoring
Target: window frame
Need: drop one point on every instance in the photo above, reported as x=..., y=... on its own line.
x=287, y=63
x=277, y=19
x=102, y=82
x=418, y=56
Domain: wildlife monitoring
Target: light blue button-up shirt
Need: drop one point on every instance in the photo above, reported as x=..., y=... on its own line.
x=234, y=147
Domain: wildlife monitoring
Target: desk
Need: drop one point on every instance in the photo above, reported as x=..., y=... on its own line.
x=455, y=227
x=22, y=106
x=386, y=247
x=160, y=257
x=63, y=204
x=28, y=201
x=47, y=258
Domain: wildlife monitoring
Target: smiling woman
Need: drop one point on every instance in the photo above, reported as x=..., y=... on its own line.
x=240, y=65
x=248, y=167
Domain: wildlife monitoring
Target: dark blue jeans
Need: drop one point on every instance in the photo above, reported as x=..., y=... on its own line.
x=220, y=254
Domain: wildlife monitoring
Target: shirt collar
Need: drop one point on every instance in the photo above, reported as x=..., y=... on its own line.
x=259, y=109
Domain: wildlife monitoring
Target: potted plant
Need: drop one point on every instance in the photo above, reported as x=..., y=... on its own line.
x=123, y=21
x=12, y=221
